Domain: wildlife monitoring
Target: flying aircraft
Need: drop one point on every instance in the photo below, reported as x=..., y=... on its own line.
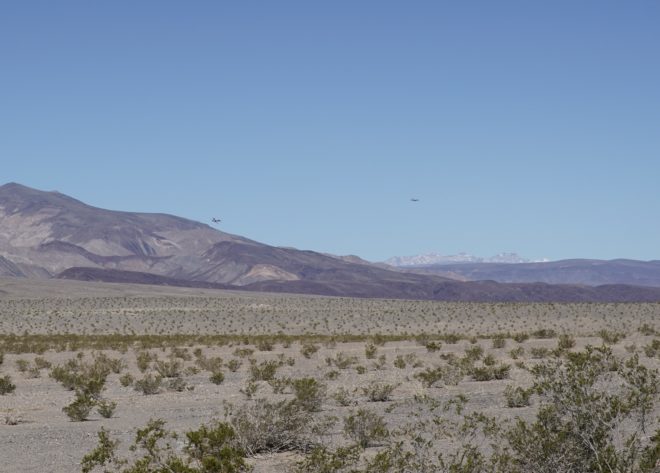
x=216, y=220
x=414, y=200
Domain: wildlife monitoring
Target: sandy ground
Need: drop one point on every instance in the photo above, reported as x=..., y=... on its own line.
x=45, y=440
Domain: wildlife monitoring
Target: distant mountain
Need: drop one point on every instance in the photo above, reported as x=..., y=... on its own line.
x=48, y=234
x=575, y=271
x=437, y=258
x=43, y=234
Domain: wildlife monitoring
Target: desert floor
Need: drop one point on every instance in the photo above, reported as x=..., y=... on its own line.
x=51, y=322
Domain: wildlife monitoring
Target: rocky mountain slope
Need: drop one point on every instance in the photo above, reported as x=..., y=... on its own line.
x=48, y=234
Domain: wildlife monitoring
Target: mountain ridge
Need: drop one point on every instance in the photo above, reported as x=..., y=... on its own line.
x=49, y=234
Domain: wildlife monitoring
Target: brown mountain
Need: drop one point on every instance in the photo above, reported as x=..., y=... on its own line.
x=48, y=234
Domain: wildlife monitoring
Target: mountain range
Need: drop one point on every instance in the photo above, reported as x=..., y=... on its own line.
x=437, y=258
x=51, y=235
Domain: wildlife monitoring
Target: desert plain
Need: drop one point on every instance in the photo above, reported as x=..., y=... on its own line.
x=215, y=355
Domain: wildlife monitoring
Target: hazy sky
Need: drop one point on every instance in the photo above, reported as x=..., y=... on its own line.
x=528, y=126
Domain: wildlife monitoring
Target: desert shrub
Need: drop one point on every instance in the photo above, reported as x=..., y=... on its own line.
x=610, y=337
x=380, y=363
x=360, y=369
x=378, y=392
x=308, y=349
x=250, y=389
x=78, y=375
x=169, y=369
x=234, y=364
x=343, y=397
x=652, y=349
x=263, y=371
x=499, y=342
x=647, y=330
x=517, y=397
x=41, y=363
x=517, y=352
x=544, y=333
x=6, y=386
x=489, y=373
x=370, y=351
x=178, y=385
x=474, y=353
x=309, y=393
x=126, y=379
x=279, y=385
x=268, y=427
x=539, y=352
x=148, y=385
x=323, y=460
x=2, y=358
x=399, y=362
x=264, y=344
x=584, y=408
x=565, y=342
x=342, y=361
x=181, y=353
x=210, y=364
x=332, y=374
x=452, y=338
x=22, y=365
x=366, y=428
x=217, y=377
x=209, y=449
x=433, y=346
x=430, y=376
x=144, y=359
x=106, y=408
x=489, y=360
x=520, y=337
x=80, y=408
x=243, y=352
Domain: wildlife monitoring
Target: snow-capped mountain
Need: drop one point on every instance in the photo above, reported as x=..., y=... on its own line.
x=437, y=258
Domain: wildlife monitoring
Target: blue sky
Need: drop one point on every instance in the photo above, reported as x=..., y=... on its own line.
x=521, y=126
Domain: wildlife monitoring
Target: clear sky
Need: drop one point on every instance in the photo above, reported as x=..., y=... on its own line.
x=527, y=126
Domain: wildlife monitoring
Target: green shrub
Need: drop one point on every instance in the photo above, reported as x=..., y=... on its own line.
x=269, y=427
x=489, y=373
x=309, y=393
x=6, y=386
x=263, y=371
x=539, y=352
x=520, y=337
x=211, y=449
x=217, y=377
x=544, y=333
x=343, y=397
x=126, y=379
x=80, y=408
x=517, y=352
x=178, y=385
x=169, y=369
x=106, y=408
x=234, y=364
x=565, y=342
x=610, y=337
x=370, y=351
x=366, y=428
x=499, y=342
x=378, y=392
x=517, y=397
x=308, y=349
x=148, y=385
